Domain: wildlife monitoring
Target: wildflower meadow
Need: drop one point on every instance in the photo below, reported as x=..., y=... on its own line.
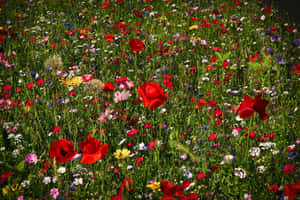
x=148, y=99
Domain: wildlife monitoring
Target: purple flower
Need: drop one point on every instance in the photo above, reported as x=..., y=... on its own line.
x=270, y=51
x=275, y=38
x=31, y=158
x=279, y=59
x=296, y=43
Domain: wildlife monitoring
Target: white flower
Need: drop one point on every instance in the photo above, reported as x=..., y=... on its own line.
x=54, y=179
x=240, y=172
x=61, y=170
x=262, y=18
x=267, y=145
x=78, y=181
x=25, y=183
x=255, y=151
x=47, y=180
x=261, y=168
x=15, y=153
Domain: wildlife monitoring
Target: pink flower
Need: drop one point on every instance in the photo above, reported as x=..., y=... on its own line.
x=247, y=196
x=54, y=193
x=20, y=198
x=121, y=96
x=126, y=84
x=87, y=77
x=31, y=158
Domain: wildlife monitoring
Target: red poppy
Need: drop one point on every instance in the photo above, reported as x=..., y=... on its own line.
x=40, y=82
x=168, y=188
x=136, y=45
x=6, y=87
x=29, y=102
x=105, y=4
x=30, y=85
x=291, y=190
x=109, y=87
x=62, y=150
x=213, y=136
x=2, y=38
x=56, y=129
x=138, y=13
x=152, y=95
x=260, y=107
x=249, y=105
x=92, y=150
x=5, y=176
x=109, y=37
x=297, y=71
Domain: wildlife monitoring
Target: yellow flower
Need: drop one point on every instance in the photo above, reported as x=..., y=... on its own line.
x=26, y=109
x=1, y=28
x=193, y=27
x=154, y=186
x=122, y=154
x=72, y=82
x=11, y=189
x=18, y=15
x=163, y=18
x=5, y=190
x=195, y=38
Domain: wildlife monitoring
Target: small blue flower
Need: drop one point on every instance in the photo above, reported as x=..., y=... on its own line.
x=190, y=87
x=293, y=154
x=51, y=104
x=296, y=43
x=130, y=60
x=48, y=83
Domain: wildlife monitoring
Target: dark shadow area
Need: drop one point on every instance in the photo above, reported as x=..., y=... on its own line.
x=292, y=7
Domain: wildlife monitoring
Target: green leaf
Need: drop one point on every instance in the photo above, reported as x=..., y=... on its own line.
x=226, y=56
x=20, y=167
x=254, y=65
x=219, y=56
